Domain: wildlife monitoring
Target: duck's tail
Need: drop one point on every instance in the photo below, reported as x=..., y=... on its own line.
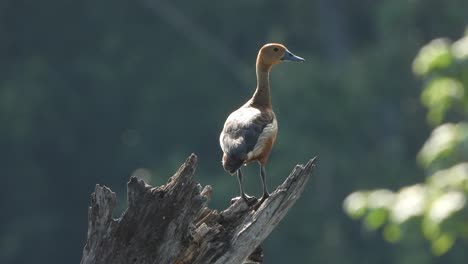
x=231, y=164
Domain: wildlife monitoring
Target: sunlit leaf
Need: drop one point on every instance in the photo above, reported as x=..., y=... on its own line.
x=442, y=142
x=434, y=55
x=355, y=204
x=444, y=206
x=376, y=218
x=460, y=48
x=439, y=95
x=381, y=198
x=410, y=202
x=453, y=177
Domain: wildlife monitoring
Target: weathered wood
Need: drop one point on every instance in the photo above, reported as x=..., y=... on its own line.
x=172, y=223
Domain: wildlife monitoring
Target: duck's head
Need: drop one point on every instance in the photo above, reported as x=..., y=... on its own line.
x=274, y=53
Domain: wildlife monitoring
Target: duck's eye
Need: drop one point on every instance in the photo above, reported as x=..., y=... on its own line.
x=275, y=49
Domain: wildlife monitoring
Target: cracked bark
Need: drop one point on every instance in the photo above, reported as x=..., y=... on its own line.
x=173, y=224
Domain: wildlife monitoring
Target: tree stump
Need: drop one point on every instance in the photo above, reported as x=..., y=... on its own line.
x=172, y=223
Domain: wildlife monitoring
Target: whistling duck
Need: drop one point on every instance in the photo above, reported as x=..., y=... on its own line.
x=250, y=131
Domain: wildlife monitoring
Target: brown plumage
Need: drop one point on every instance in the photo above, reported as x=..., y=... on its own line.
x=250, y=132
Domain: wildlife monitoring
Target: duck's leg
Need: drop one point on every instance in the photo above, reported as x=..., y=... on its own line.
x=265, y=189
x=247, y=199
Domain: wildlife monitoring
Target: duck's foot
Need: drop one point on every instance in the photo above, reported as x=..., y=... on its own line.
x=249, y=200
x=264, y=197
x=260, y=202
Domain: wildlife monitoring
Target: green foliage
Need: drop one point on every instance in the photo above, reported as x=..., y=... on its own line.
x=443, y=65
x=438, y=207
x=434, y=56
x=440, y=95
x=446, y=145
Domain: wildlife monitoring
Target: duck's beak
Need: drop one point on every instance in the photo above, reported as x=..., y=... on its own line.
x=289, y=56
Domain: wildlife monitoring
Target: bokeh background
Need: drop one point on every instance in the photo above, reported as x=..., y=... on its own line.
x=96, y=91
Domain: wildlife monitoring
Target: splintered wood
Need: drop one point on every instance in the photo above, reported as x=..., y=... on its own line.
x=173, y=224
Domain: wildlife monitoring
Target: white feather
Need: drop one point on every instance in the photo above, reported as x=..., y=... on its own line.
x=242, y=115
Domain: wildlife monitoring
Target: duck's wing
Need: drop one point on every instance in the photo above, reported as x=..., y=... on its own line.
x=242, y=131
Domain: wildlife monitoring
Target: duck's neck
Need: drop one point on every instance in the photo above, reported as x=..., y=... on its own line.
x=262, y=96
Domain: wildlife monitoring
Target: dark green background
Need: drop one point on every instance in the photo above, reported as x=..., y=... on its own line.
x=92, y=91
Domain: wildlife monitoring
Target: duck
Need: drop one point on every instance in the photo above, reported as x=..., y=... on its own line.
x=250, y=131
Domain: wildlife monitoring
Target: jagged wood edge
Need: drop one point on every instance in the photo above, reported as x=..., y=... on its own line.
x=172, y=223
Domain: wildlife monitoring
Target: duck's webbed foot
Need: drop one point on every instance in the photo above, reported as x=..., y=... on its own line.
x=249, y=200
x=264, y=197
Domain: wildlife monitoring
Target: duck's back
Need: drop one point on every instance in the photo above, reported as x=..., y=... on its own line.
x=244, y=135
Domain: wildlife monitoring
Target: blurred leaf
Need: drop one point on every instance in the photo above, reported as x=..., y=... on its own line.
x=443, y=142
x=435, y=55
x=460, y=48
x=445, y=205
x=453, y=177
x=392, y=233
x=355, y=204
x=376, y=218
x=439, y=95
x=431, y=229
x=410, y=202
x=381, y=198
x=442, y=244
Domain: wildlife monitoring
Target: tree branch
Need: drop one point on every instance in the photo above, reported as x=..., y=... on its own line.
x=172, y=223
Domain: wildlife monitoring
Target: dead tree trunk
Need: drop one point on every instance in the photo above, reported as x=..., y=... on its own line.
x=172, y=223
